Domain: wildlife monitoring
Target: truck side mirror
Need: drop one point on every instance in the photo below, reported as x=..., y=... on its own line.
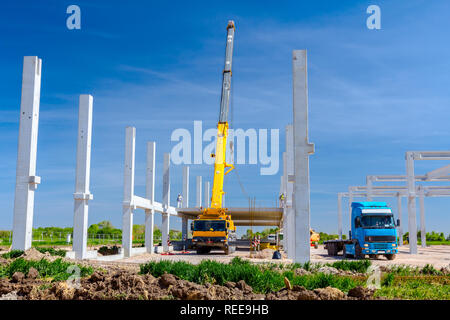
x=398, y=222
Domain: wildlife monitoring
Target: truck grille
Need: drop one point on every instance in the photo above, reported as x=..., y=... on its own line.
x=379, y=246
x=380, y=239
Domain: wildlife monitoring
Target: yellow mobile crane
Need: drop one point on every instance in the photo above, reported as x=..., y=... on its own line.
x=214, y=227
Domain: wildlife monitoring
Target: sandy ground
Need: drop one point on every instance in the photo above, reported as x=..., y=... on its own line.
x=438, y=256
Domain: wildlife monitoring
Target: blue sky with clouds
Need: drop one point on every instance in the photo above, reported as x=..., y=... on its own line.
x=156, y=65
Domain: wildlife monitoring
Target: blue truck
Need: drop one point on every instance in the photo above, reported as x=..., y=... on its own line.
x=373, y=232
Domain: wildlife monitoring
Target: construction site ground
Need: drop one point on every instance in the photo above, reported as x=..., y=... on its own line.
x=438, y=256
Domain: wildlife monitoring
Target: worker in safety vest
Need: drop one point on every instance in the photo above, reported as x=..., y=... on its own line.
x=282, y=200
x=179, y=200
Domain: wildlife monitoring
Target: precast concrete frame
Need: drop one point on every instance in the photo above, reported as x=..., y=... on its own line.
x=410, y=157
x=393, y=191
x=132, y=202
x=438, y=175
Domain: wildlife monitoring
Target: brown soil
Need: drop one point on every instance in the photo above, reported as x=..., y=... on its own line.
x=128, y=285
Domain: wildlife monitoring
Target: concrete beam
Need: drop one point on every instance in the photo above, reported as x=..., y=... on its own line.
x=440, y=172
x=82, y=194
x=26, y=179
x=166, y=202
x=128, y=191
x=302, y=150
x=150, y=194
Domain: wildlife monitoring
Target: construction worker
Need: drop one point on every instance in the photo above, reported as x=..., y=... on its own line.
x=282, y=200
x=179, y=200
x=258, y=243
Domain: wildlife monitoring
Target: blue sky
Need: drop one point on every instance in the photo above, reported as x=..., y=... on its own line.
x=373, y=94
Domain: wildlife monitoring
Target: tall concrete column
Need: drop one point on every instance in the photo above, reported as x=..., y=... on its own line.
x=206, y=197
x=199, y=192
x=302, y=150
x=166, y=202
x=423, y=233
x=350, y=201
x=26, y=179
x=400, y=229
x=82, y=194
x=285, y=213
x=150, y=194
x=128, y=191
x=340, y=215
x=369, y=188
x=411, y=183
x=185, y=204
x=290, y=190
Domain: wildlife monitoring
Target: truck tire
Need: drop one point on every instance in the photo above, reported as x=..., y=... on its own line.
x=373, y=256
x=390, y=256
x=358, y=252
x=344, y=252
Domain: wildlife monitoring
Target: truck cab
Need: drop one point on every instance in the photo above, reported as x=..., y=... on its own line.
x=373, y=231
x=209, y=234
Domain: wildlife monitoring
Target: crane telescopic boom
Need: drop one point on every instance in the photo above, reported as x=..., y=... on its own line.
x=214, y=228
x=222, y=127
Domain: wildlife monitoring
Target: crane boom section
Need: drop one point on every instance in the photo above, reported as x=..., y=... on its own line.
x=222, y=127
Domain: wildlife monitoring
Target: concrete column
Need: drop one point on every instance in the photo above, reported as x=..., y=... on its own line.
x=185, y=204
x=82, y=194
x=150, y=194
x=199, y=192
x=400, y=229
x=206, y=197
x=302, y=150
x=411, y=183
x=423, y=233
x=26, y=179
x=166, y=202
x=369, y=189
x=290, y=190
x=340, y=215
x=285, y=211
x=128, y=191
x=350, y=200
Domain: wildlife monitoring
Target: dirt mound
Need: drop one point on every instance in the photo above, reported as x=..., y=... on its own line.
x=361, y=293
x=123, y=284
x=265, y=254
x=33, y=254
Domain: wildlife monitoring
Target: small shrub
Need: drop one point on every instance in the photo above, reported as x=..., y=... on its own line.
x=52, y=251
x=429, y=270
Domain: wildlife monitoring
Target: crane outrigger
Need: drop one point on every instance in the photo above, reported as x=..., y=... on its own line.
x=214, y=227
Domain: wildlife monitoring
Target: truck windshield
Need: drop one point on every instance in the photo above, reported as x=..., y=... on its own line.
x=207, y=225
x=377, y=222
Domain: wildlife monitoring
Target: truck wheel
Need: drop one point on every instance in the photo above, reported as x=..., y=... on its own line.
x=226, y=250
x=390, y=256
x=373, y=256
x=358, y=252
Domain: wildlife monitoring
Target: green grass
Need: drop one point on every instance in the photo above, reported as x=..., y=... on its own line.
x=415, y=289
x=56, y=270
x=262, y=280
x=12, y=254
x=360, y=266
